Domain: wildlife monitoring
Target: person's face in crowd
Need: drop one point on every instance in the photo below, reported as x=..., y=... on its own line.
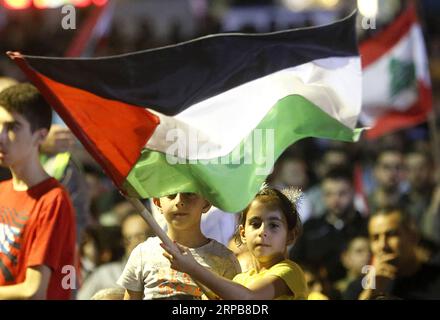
x=313, y=282
x=338, y=195
x=134, y=231
x=335, y=159
x=89, y=249
x=294, y=173
x=388, y=170
x=95, y=187
x=389, y=237
x=357, y=255
x=331, y=159
x=183, y=211
x=265, y=232
x=418, y=170
x=17, y=142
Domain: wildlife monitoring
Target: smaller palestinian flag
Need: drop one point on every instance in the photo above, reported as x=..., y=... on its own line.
x=396, y=89
x=210, y=115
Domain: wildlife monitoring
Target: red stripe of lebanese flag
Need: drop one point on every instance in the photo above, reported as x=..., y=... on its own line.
x=375, y=47
x=116, y=153
x=394, y=120
x=382, y=110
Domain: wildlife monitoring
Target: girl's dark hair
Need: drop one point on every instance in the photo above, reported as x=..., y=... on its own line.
x=275, y=198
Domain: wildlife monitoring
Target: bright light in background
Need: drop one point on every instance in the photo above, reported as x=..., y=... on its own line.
x=17, y=4
x=43, y=4
x=329, y=3
x=300, y=5
x=99, y=2
x=40, y=4
x=297, y=5
x=368, y=8
x=81, y=3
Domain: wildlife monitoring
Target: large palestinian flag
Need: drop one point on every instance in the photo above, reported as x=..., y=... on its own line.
x=396, y=91
x=209, y=115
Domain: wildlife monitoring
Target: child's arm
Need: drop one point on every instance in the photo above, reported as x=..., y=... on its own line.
x=133, y=295
x=131, y=278
x=207, y=293
x=34, y=286
x=267, y=288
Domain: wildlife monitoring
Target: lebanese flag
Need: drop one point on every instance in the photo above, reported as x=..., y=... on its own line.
x=396, y=89
x=210, y=115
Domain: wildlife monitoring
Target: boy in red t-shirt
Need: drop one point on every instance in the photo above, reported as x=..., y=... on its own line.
x=37, y=226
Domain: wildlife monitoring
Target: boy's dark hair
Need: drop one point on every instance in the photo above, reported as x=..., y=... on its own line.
x=337, y=148
x=105, y=239
x=362, y=234
x=407, y=221
x=339, y=173
x=427, y=154
x=27, y=101
x=276, y=198
x=386, y=149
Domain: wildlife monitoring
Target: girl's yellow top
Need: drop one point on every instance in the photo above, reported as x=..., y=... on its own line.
x=287, y=270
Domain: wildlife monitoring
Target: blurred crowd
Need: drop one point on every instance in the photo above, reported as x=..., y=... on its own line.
x=343, y=184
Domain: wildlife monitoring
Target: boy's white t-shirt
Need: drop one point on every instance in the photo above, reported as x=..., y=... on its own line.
x=149, y=271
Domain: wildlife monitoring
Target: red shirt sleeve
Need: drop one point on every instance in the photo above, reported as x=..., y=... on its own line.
x=54, y=225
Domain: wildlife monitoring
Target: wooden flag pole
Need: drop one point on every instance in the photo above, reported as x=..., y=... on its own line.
x=148, y=217
x=435, y=140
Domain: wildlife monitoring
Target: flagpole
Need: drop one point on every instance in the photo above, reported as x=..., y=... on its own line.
x=435, y=140
x=148, y=217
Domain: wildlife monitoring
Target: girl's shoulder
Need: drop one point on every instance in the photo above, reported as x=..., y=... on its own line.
x=292, y=274
x=286, y=265
x=244, y=277
x=282, y=266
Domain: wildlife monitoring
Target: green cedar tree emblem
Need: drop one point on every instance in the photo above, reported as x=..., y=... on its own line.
x=403, y=75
